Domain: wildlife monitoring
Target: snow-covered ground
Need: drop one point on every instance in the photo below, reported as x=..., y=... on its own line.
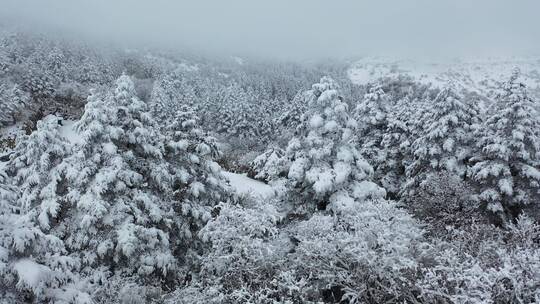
x=247, y=186
x=477, y=75
x=67, y=130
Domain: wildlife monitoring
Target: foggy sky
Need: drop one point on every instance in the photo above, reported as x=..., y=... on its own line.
x=296, y=28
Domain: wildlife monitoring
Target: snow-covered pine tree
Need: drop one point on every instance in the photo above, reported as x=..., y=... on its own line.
x=371, y=114
x=170, y=92
x=445, y=144
x=38, y=266
x=197, y=183
x=137, y=197
x=4, y=61
x=56, y=63
x=507, y=168
x=291, y=116
x=395, y=144
x=7, y=225
x=33, y=168
x=12, y=101
x=326, y=167
x=120, y=218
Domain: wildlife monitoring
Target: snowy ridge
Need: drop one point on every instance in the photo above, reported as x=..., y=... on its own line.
x=476, y=75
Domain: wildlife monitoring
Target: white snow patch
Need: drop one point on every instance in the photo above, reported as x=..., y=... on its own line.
x=316, y=121
x=30, y=273
x=67, y=130
x=245, y=185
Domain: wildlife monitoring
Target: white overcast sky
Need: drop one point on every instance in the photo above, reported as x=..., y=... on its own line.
x=296, y=28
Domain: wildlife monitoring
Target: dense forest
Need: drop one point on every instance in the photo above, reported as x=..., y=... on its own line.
x=122, y=170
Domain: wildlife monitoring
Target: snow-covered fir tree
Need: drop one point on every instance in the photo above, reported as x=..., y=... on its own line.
x=169, y=93
x=292, y=116
x=395, y=145
x=446, y=142
x=326, y=167
x=507, y=167
x=33, y=170
x=39, y=266
x=126, y=205
x=371, y=114
x=119, y=217
x=12, y=101
x=197, y=184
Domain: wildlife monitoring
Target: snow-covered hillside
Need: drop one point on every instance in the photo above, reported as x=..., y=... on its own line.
x=480, y=76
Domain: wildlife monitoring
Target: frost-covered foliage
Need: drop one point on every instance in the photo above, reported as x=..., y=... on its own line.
x=483, y=264
x=244, y=257
x=443, y=198
x=326, y=168
x=507, y=166
x=368, y=253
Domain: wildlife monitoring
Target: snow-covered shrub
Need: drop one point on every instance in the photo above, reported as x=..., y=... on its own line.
x=483, y=264
x=245, y=254
x=366, y=254
x=369, y=253
x=269, y=165
x=443, y=198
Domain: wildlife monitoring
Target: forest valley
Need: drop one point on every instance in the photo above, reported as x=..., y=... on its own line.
x=117, y=172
